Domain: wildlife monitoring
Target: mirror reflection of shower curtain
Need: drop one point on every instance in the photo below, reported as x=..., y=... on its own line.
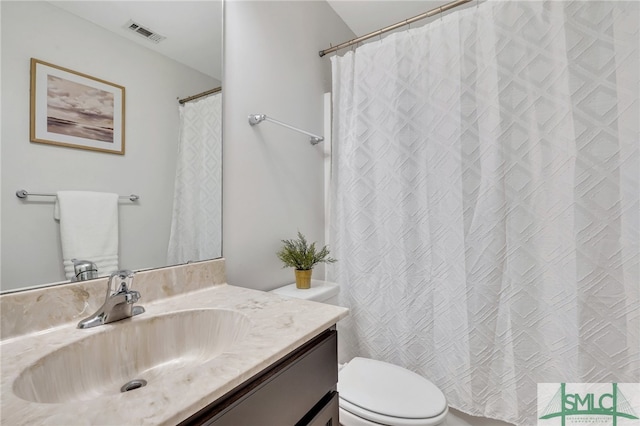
x=485, y=196
x=196, y=225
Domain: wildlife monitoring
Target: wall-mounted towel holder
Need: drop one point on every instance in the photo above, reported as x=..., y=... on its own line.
x=258, y=118
x=21, y=193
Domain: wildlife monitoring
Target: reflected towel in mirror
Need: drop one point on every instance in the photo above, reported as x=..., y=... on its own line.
x=88, y=229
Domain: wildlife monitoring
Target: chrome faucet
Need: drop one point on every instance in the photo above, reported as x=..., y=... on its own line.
x=118, y=303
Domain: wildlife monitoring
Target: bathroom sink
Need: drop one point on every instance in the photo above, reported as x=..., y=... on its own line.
x=124, y=352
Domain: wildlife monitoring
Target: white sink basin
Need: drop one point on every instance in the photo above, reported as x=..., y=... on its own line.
x=145, y=348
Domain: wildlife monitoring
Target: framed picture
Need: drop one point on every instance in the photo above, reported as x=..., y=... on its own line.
x=76, y=110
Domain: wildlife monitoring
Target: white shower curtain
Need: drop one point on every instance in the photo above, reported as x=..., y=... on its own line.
x=196, y=225
x=485, y=200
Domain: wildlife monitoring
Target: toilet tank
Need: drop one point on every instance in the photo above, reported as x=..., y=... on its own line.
x=320, y=291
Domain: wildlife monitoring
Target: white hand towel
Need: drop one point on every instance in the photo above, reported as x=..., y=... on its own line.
x=88, y=229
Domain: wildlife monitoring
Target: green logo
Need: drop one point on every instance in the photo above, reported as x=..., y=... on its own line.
x=589, y=404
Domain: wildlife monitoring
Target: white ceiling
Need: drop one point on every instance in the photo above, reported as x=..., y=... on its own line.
x=366, y=16
x=193, y=29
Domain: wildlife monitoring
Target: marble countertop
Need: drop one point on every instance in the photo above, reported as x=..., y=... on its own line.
x=278, y=326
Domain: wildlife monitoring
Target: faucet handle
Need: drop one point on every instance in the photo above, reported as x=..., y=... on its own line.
x=132, y=296
x=125, y=278
x=123, y=273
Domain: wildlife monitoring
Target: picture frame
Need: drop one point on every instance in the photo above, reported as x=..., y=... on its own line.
x=76, y=110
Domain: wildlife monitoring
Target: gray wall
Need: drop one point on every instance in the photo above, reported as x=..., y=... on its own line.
x=272, y=177
x=31, y=252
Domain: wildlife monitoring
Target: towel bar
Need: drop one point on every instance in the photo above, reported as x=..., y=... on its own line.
x=21, y=193
x=259, y=118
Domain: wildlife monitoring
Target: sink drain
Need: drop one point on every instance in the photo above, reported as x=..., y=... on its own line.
x=133, y=384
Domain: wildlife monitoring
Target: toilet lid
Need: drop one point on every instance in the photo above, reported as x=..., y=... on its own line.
x=389, y=390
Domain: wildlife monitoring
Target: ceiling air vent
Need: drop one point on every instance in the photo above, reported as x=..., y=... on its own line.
x=143, y=31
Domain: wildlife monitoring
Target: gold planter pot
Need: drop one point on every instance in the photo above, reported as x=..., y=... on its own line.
x=303, y=278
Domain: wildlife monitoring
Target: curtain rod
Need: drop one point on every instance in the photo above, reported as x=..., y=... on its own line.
x=427, y=14
x=200, y=95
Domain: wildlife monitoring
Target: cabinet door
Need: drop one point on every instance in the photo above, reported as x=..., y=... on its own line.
x=328, y=415
x=282, y=395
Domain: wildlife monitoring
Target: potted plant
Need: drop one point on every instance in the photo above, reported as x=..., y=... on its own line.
x=303, y=257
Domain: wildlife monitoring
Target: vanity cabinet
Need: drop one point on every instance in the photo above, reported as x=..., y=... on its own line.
x=297, y=390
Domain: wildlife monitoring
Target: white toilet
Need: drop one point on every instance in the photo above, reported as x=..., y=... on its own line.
x=374, y=393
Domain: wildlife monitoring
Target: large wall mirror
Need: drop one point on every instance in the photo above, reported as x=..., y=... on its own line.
x=95, y=38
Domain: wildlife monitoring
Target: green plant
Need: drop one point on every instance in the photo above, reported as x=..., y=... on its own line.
x=300, y=255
